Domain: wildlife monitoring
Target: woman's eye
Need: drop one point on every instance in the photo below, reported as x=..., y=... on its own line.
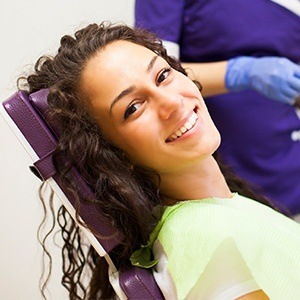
x=163, y=75
x=131, y=109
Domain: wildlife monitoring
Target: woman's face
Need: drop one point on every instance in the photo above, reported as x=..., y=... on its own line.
x=143, y=106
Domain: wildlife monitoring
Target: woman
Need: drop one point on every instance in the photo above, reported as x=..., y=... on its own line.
x=138, y=130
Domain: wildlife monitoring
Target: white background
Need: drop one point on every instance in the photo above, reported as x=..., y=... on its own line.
x=29, y=29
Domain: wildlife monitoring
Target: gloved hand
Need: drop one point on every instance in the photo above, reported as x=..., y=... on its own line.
x=274, y=77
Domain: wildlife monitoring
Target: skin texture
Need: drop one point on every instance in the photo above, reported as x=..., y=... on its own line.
x=211, y=75
x=165, y=99
x=257, y=295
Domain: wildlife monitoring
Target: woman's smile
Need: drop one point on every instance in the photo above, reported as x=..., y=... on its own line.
x=186, y=127
x=147, y=92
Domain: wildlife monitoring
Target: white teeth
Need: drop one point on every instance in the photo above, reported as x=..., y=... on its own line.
x=186, y=127
x=183, y=129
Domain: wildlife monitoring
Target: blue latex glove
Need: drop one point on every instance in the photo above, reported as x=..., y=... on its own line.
x=274, y=77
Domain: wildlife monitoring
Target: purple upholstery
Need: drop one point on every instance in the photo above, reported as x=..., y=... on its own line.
x=27, y=112
x=43, y=141
x=138, y=283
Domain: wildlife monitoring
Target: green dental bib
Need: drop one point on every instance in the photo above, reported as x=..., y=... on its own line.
x=191, y=231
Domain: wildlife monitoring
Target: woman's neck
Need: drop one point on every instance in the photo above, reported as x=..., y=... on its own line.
x=200, y=181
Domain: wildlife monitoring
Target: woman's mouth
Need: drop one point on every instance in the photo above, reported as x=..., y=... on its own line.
x=187, y=126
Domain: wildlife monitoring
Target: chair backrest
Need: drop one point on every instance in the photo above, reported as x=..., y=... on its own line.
x=25, y=114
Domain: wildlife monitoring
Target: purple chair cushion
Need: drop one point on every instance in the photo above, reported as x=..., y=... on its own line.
x=28, y=113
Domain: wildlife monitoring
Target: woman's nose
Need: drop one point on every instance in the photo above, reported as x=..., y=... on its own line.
x=167, y=104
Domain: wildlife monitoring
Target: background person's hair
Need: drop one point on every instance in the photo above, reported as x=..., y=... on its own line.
x=125, y=193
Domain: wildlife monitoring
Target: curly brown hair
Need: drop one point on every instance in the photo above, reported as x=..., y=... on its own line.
x=126, y=195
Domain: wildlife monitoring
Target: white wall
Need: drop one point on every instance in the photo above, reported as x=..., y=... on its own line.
x=29, y=29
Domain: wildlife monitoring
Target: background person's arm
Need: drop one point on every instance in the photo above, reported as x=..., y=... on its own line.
x=210, y=75
x=277, y=78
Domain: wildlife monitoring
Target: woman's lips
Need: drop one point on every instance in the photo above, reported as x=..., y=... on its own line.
x=187, y=126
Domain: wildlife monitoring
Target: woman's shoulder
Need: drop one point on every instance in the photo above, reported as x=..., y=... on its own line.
x=236, y=217
x=203, y=210
x=196, y=229
x=198, y=218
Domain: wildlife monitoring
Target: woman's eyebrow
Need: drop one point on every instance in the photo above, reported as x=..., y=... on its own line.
x=132, y=87
x=151, y=64
x=121, y=95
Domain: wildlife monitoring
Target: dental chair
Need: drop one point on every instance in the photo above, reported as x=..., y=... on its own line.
x=25, y=115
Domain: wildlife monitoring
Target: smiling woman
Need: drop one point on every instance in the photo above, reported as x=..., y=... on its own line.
x=138, y=130
x=147, y=92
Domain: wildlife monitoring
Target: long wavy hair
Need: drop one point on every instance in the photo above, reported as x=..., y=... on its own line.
x=127, y=195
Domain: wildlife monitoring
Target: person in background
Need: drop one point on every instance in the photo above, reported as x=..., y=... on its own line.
x=246, y=55
x=137, y=129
